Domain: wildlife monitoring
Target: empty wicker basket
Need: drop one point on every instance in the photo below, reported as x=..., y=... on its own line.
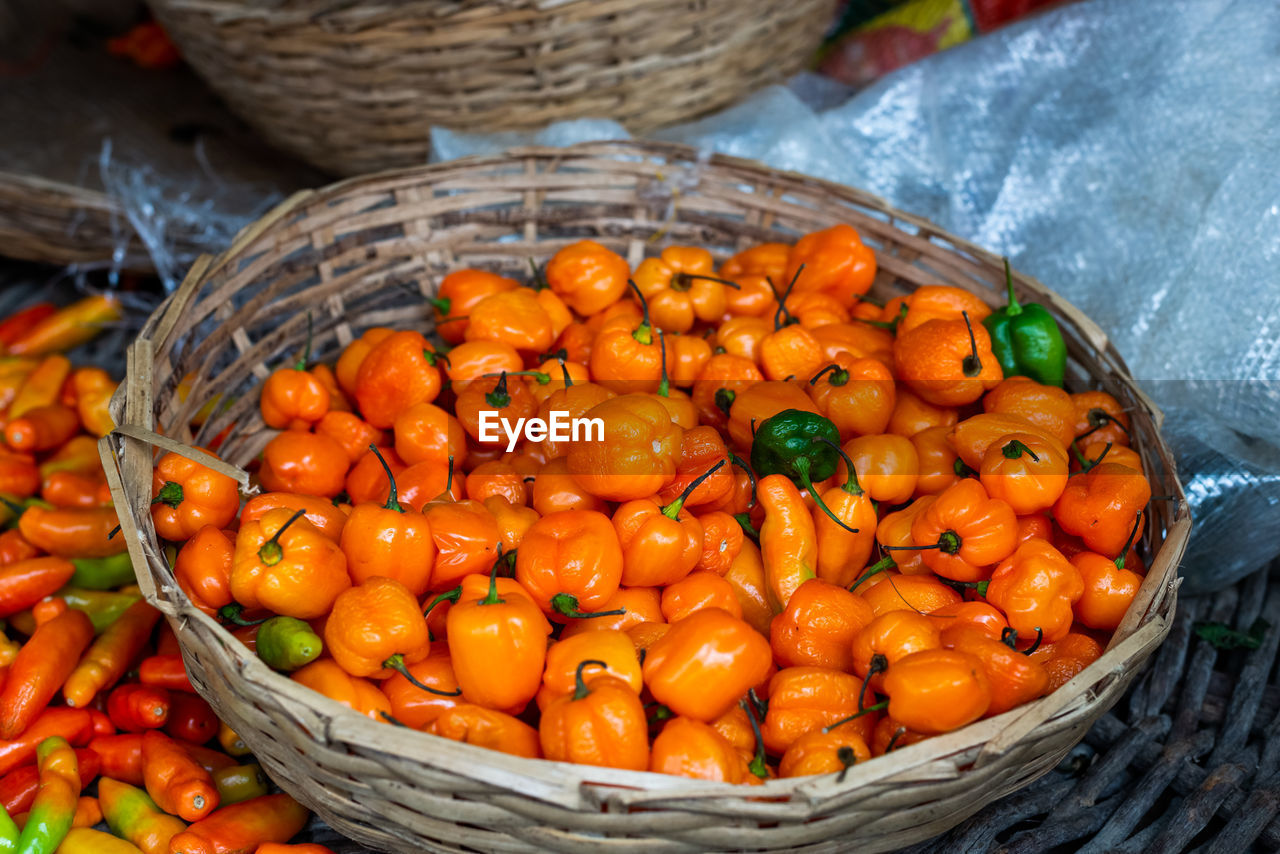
x=356, y=87
x=346, y=254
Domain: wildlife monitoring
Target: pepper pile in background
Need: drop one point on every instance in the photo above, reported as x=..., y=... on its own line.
x=103, y=741
x=812, y=528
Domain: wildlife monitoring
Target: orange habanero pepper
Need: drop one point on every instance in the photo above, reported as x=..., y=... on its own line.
x=832, y=260
x=309, y=463
x=285, y=564
x=398, y=372
x=325, y=676
x=1027, y=473
x=937, y=690
x=187, y=496
x=570, y=563
x=818, y=626
x=1102, y=506
x=1036, y=587
x=458, y=293
x=1046, y=406
x=947, y=362
x=389, y=541
x=587, y=276
x=692, y=748
x=1013, y=677
x=680, y=288
x=602, y=722
x=637, y=454
x=965, y=531
x=857, y=395
x=489, y=728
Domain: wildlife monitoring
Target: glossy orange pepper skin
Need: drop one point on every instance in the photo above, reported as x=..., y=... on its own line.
x=41, y=429
x=1047, y=407
x=174, y=780
x=326, y=677
x=41, y=386
x=301, y=577
x=554, y=490
x=937, y=690
x=843, y=554
x=742, y=336
x=19, y=476
x=1100, y=416
x=350, y=431
x=941, y=302
x=936, y=460
x=575, y=401
x=458, y=293
x=374, y=623
x=243, y=826
x=292, y=397
x=886, y=464
x=858, y=340
x=509, y=397
x=500, y=478
x=747, y=575
x=657, y=549
x=834, y=260
x=804, y=699
x=471, y=360
x=1066, y=658
x=390, y=541
x=638, y=454
x=514, y=317
x=627, y=359
x=347, y=368
x=696, y=591
x=757, y=403
x=426, y=433
x=819, y=752
x=588, y=276
x=681, y=289
x=764, y=259
x=187, y=496
x=309, y=463
x=701, y=449
x=921, y=593
x=329, y=520
x=912, y=415
x=466, y=539
x=974, y=531
x=687, y=355
x=815, y=309
x=857, y=395
x=1101, y=506
x=1109, y=590
x=692, y=748
x=93, y=389
x=721, y=542
x=414, y=707
x=788, y=540
x=1014, y=678
x=976, y=613
x=514, y=520
x=489, y=728
x=602, y=723
x=718, y=383
x=891, y=636
x=612, y=646
x=1036, y=587
x=790, y=352
x=818, y=626
x=638, y=604
x=203, y=569
x=1024, y=471
x=498, y=644
x=73, y=531
x=705, y=663
x=973, y=437
x=399, y=372
x=894, y=531
x=1091, y=451
x=936, y=359
x=570, y=561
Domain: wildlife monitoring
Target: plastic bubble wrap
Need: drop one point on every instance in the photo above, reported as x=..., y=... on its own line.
x=1126, y=153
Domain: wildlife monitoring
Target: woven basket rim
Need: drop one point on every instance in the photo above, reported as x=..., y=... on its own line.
x=562, y=783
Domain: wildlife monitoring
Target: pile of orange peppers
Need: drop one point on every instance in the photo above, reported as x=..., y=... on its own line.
x=639, y=597
x=105, y=748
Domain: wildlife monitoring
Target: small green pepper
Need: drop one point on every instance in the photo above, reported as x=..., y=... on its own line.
x=239, y=783
x=287, y=643
x=103, y=573
x=804, y=446
x=1026, y=339
x=103, y=607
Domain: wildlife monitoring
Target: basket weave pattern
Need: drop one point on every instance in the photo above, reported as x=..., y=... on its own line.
x=358, y=254
x=356, y=87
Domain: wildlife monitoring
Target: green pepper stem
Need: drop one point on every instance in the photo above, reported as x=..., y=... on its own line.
x=744, y=522
x=672, y=510
x=448, y=484
x=962, y=469
x=851, y=484
x=564, y=370
x=1036, y=645
x=690, y=277
x=757, y=766
x=878, y=707
x=441, y=304
x=1009, y=637
x=448, y=596
x=897, y=734
x=580, y=686
x=1013, y=307
x=231, y=614
x=813, y=380
x=499, y=398
x=847, y=758
x=1137, y=522
x=724, y=398
x=392, y=494
x=802, y=468
x=644, y=332
x=539, y=282
x=1015, y=449
x=306, y=354
x=876, y=568
x=751, y=476
x=540, y=376
x=1088, y=465
x=972, y=365
x=493, y=598
x=396, y=663
x=566, y=604
x=273, y=551
x=170, y=494
x=782, y=301
x=664, y=387
x=879, y=664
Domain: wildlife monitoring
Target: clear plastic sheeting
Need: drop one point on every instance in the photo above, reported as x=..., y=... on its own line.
x=1125, y=153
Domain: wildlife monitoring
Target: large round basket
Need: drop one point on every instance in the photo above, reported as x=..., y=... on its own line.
x=360, y=253
x=356, y=87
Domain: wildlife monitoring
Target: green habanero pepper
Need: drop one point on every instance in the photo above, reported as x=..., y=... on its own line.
x=103, y=573
x=803, y=446
x=239, y=783
x=1026, y=339
x=287, y=643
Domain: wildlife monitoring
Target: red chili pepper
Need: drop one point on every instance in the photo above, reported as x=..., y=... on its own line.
x=120, y=757
x=191, y=719
x=44, y=663
x=102, y=724
x=74, y=725
x=15, y=325
x=18, y=787
x=134, y=707
x=26, y=582
x=165, y=671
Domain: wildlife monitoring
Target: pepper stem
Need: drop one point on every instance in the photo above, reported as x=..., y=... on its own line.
x=691, y=277
x=664, y=387
x=885, y=563
x=851, y=484
x=448, y=484
x=392, y=503
x=879, y=664
x=542, y=377
x=441, y=304
x=782, y=301
x=644, y=332
x=493, y=598
x=744, y=522
x=878, y=707
x=835, y=369
x=751, y=476
x=1088, y=465
x=724, y=398
x=1036, y=645
x=169, y=494
x=306, y=354
x=451, y=596
x=672, y=510
x=1137, y=522
x=231, y=614
x=757, y=765
x=580, y=687
x=1013, y=307
x=396, y=663
x=802, y=468
x=566, y=604
x=847, y=758
x=499, y=398
x=270, y=552
x=897, y=734
x=1009, y=637
x=564, y=371
x=972, y=365
x=1015, y=449
x=949, y=542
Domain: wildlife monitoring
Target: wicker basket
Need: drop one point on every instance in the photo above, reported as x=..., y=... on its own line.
x=355, y=87
x=353, y=255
